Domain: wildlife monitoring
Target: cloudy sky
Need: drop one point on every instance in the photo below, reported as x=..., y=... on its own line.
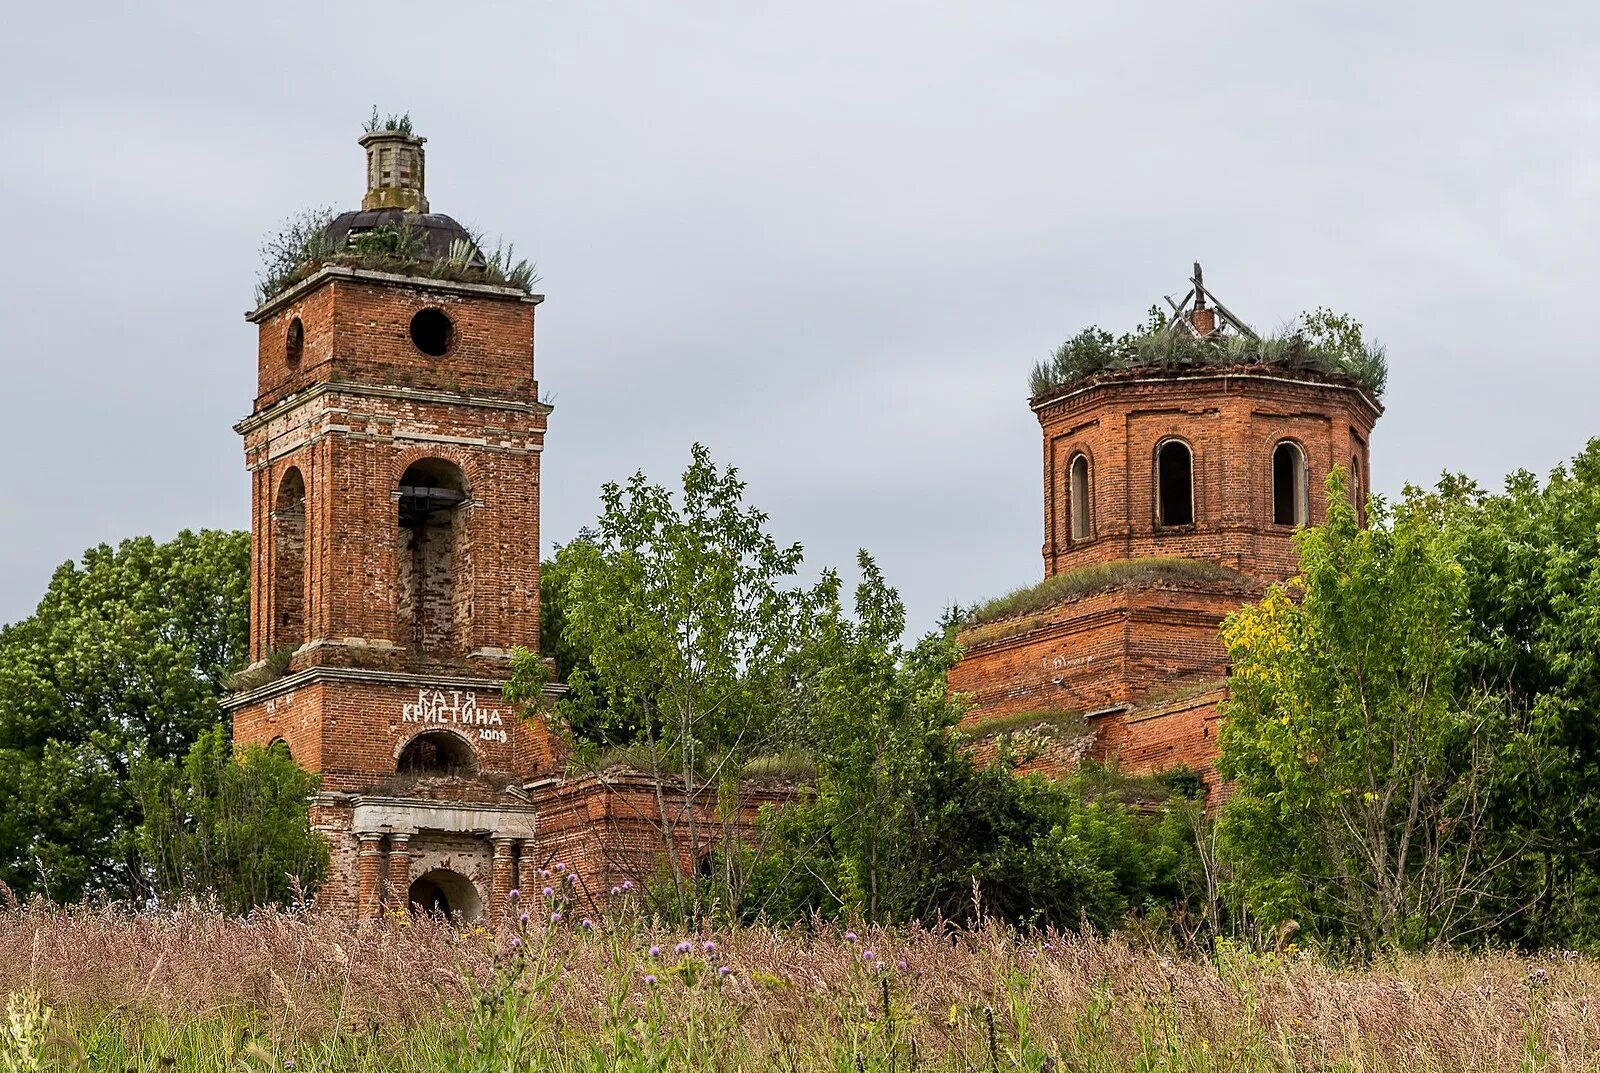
x=827, y=240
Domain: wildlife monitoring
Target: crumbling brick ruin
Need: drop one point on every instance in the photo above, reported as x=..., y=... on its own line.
x=1170, y=498
x=393, y=452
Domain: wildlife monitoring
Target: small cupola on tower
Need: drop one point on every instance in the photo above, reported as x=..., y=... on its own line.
x=395, y=169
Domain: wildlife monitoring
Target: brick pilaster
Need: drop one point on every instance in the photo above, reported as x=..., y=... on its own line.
x=399, y=872
x=503, y=878
x=369, y=874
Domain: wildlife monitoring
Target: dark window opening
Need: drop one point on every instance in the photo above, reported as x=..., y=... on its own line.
x=1174, y=484
x=1078, y=493
x=294, y=343
x=288, y=527
x=437, y=752
x=434, y=557
x=432, y=333
x=1289, y=503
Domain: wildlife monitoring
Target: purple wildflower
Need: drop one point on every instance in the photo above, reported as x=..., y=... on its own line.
x=572, y=877
x=560, y=867
x=586, y=924
x=615, y=891
x=655, y=951
x=513, y=894
x=549, y=892
x=516, y=942
x=523, y=918
x=850, y=936
x=868, y=955
x=710, y=947
x=723, y=970
x=555, y=918
x=650, y=978
x=627, y=884
x=901, y=964
x=683, y=947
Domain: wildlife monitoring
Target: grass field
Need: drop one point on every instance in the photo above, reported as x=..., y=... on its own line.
x=197, y=991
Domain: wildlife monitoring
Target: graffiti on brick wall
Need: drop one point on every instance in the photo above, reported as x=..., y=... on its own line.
x=456, y=708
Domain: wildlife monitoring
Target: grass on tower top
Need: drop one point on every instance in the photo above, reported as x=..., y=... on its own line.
x=1154, y=570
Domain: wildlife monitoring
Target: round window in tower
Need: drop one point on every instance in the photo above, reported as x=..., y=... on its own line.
x=294, y=343
x=432, y=332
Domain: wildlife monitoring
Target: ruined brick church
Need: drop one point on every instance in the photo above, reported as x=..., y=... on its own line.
x=1171, y=496
x=393, y=452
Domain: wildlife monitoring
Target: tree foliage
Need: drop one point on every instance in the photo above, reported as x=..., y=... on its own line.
x=1366, y=765
x=233, y=826
x=125, y=659
x=904, y=825
x=687, y=617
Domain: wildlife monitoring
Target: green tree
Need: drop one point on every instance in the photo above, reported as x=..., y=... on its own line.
x=1365, y=766
x=1530, y=557
x=234, y=826
x=690, y=632
x=903, y=825
x=125, y=658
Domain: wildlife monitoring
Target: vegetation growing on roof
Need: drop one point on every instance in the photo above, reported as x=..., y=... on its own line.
x=1319, y=340
x=1092, y=578
x=303, y=245
x=390, y=124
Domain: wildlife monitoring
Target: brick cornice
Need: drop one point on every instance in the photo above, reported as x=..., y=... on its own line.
x=382, y=391
x=315, y=675
x=331, y=272
x=1224, y=378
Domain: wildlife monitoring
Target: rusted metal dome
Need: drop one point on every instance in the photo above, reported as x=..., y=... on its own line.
x=437, y=231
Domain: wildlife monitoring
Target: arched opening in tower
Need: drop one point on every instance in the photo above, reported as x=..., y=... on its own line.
x=287, y=628
x=434, y=557
x=444, y=893
x=436, y=752
x=1174, y=484
x=1290, y=502
x=1078, y=492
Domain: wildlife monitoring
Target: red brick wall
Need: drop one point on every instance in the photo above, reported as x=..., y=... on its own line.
x=357, y=330
x=352, y=732
x=1231, y=420
x=379, y=405
x=1100, y=649
x=1135, y=643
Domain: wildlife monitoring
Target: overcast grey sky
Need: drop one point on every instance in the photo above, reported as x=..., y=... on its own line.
x=827, y=240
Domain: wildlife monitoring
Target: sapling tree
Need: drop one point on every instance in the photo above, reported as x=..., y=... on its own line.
x=691, y=625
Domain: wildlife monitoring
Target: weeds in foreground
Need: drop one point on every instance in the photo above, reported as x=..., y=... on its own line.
x=107, y=989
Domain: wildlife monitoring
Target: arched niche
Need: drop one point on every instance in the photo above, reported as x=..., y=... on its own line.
x=288, y=523
x=433, y=556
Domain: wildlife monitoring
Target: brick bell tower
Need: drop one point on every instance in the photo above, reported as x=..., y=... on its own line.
x=1171, y=497
x=393, y=452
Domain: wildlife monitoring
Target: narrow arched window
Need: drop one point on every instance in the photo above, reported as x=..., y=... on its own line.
x=1078, y=494
x=1174, y=484
x=287, y=630
x=433, y=557
x=1358, y=495
x=1290, y=501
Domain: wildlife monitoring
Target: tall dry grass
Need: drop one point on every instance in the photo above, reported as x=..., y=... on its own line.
x=287, y=991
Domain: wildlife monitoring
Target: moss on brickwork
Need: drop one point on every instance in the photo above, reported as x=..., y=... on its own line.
x=1097, y=576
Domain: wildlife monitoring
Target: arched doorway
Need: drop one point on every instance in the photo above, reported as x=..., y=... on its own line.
x=436, y=752
x=442, y=892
